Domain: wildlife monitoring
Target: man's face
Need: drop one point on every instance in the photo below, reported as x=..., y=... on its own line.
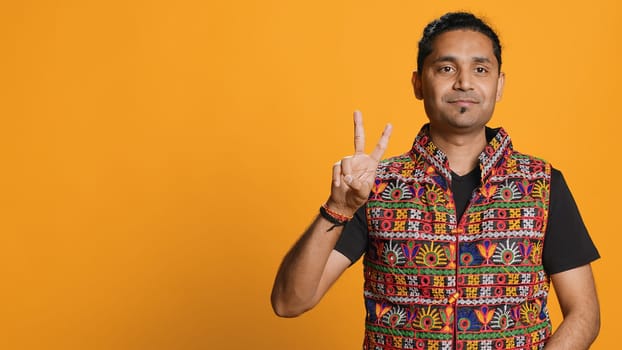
x=459, y=82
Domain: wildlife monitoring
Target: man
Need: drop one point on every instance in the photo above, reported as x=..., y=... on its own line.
x=462, y=234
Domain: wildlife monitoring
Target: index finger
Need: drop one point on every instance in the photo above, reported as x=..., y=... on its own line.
x=382, y=144
x=359, y=133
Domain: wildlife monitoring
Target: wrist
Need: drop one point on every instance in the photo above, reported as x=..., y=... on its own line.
x=340, y=208
x=335, y=218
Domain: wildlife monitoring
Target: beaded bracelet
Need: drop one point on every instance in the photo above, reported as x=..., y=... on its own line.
x=333, y=217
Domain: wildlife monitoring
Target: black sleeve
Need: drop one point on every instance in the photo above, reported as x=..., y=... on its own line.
x=353, y=240
x=567, y=243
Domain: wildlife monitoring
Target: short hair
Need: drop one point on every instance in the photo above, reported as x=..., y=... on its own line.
x=455, y=21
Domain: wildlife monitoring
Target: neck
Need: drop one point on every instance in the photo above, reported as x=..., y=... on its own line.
x=462, y=150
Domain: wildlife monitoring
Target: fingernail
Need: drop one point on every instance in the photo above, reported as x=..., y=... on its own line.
x=347, y=179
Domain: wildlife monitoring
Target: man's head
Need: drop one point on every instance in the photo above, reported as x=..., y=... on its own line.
x=459, y=77
x=455, y=21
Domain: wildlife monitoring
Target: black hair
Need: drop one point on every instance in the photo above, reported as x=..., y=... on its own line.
x=455, y=21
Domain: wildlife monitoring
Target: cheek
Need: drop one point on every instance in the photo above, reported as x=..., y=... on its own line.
x=430, y=107
x=490, y=90
x=433, y=93
x=487, y=95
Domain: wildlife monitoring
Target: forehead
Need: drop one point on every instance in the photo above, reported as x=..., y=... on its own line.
x=463, y=44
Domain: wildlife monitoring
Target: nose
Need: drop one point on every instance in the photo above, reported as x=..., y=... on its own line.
x=463, y=80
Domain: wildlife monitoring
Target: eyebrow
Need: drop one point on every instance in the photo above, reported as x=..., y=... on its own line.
x=477, y=59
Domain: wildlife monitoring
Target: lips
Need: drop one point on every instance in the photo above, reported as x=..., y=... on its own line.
x=463, y=101
x=463, y=104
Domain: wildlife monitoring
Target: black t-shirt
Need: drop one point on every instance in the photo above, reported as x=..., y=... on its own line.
x=567, y=243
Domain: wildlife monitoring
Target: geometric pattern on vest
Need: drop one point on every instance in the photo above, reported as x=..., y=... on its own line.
x=432, y=282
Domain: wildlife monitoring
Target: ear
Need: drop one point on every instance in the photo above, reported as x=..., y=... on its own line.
x=500, y=85
x=416, y=80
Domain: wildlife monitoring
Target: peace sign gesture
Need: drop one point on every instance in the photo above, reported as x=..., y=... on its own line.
x=353, y=176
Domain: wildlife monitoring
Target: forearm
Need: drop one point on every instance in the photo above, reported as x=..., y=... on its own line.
x=298, y=284
x=576, y=332
x=577, y=297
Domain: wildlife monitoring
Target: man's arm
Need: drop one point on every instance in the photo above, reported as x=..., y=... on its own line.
x=308, y=270
x=312, y=265
x=577, y=297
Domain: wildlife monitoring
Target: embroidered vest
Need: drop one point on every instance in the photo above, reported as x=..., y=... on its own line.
x=433, y=282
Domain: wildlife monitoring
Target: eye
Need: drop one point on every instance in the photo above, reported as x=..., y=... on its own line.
x=481, y=70
x=446, y=69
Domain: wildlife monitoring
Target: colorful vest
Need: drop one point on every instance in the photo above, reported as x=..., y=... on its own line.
x=432, y=282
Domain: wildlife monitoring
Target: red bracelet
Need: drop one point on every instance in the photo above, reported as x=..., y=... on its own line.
x=335, y=215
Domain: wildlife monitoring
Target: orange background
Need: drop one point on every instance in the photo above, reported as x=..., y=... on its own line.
x=159, y=158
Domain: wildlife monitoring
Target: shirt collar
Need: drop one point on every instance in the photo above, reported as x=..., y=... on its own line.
x=499, y=144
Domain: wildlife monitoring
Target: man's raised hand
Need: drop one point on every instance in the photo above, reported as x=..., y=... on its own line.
x=353, y=176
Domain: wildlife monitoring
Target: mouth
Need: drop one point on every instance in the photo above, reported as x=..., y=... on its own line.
x=463, y=102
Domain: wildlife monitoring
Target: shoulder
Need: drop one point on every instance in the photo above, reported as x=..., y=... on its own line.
x=403, y=164
x=559, y=187
x=527, y=164
x=528, y=158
